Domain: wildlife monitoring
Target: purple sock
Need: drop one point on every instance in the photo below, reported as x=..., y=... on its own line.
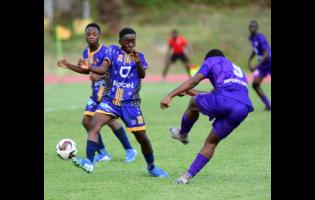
x=186, y=125
x=266, y=101
x=199, y=162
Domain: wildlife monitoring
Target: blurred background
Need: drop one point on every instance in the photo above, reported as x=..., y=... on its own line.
x=205, y=24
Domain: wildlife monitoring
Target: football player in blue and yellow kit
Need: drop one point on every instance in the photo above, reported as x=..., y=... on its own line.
x=126, y=68
x=95, y=53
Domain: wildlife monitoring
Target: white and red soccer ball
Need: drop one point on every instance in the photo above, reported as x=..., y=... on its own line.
x=66, y=149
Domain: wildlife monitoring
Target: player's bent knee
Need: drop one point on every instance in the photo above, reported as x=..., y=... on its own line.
x=86, y=123
x=255, y=85
x=114, y=125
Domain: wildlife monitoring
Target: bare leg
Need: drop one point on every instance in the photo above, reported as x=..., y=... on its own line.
x=166, y=68
x=187, y=67
x=256, y=86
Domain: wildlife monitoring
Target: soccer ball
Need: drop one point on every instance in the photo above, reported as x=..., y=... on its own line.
x=66, y=149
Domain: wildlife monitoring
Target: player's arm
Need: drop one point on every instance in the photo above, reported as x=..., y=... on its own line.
x=187, y=49
x=136, y=58
x=100, y=70
x=264, y=58
x=193, y=92
x=183, y=88
x=264, y=44
x=95, y=77
x=76, y=68
x=250, y=59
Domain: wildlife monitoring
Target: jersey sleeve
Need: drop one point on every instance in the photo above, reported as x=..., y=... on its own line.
x=205, y=69
x=85, y=53
x=263, y=42
x=109, y=55
x=143, y=61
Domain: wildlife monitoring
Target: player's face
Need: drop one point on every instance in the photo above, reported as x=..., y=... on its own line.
x=174, y=35
x=92, y=36
x=253, y=28
x=128, y=42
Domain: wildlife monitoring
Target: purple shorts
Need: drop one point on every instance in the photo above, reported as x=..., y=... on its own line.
x=262, y=71
x=228, y=113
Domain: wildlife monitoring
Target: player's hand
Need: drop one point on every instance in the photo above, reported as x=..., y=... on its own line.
x=80, y=61
x=84, y=64
x=191, y=93
x=135, y=56
x=63, y=63
x=251, y=69
x=165, y=103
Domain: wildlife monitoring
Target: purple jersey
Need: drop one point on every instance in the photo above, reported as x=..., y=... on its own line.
x=260, y=44
x=102, y=86
x=227, y=78
x=124, y=76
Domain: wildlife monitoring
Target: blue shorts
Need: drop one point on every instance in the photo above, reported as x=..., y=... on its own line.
x=99, y=89
x=228, y=113
x=130, y=115
x=91, y=106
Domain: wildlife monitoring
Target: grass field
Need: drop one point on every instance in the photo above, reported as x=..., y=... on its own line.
x=240, y=169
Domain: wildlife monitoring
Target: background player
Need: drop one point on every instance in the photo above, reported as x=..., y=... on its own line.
x=126, y=68
x=177, y=49
x=261, y=48
x=228, y=103
x=100, y=85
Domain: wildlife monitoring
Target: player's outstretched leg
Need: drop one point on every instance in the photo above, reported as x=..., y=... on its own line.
x=103, y=155
x=187, y=67
x=120, y=133
x=190, y=116
x=201, y=159
x=147, y=153
x=166, y=67
x=256, y=85
x=98, y=121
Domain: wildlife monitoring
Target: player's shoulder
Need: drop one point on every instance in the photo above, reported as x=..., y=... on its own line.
x=261, y=37
x=215, y=60
x=112, y=49
x=140, y=54
x=85, y=50
x=181, y=37
x=104, y=47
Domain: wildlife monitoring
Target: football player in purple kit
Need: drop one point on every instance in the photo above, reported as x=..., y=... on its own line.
x=126, y=68
x=100, y=85
x=261, y=48
x=228, y=104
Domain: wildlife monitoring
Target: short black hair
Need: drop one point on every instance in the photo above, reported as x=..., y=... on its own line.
x=126, y=31
x=214, y=52
x=93, y=25
x=254, y=21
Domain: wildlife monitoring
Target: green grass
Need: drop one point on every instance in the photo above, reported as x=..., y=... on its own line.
x=205, y=27
x=240, y=168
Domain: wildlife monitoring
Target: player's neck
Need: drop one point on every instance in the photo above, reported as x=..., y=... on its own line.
x=94, y=48
x=125, y=50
